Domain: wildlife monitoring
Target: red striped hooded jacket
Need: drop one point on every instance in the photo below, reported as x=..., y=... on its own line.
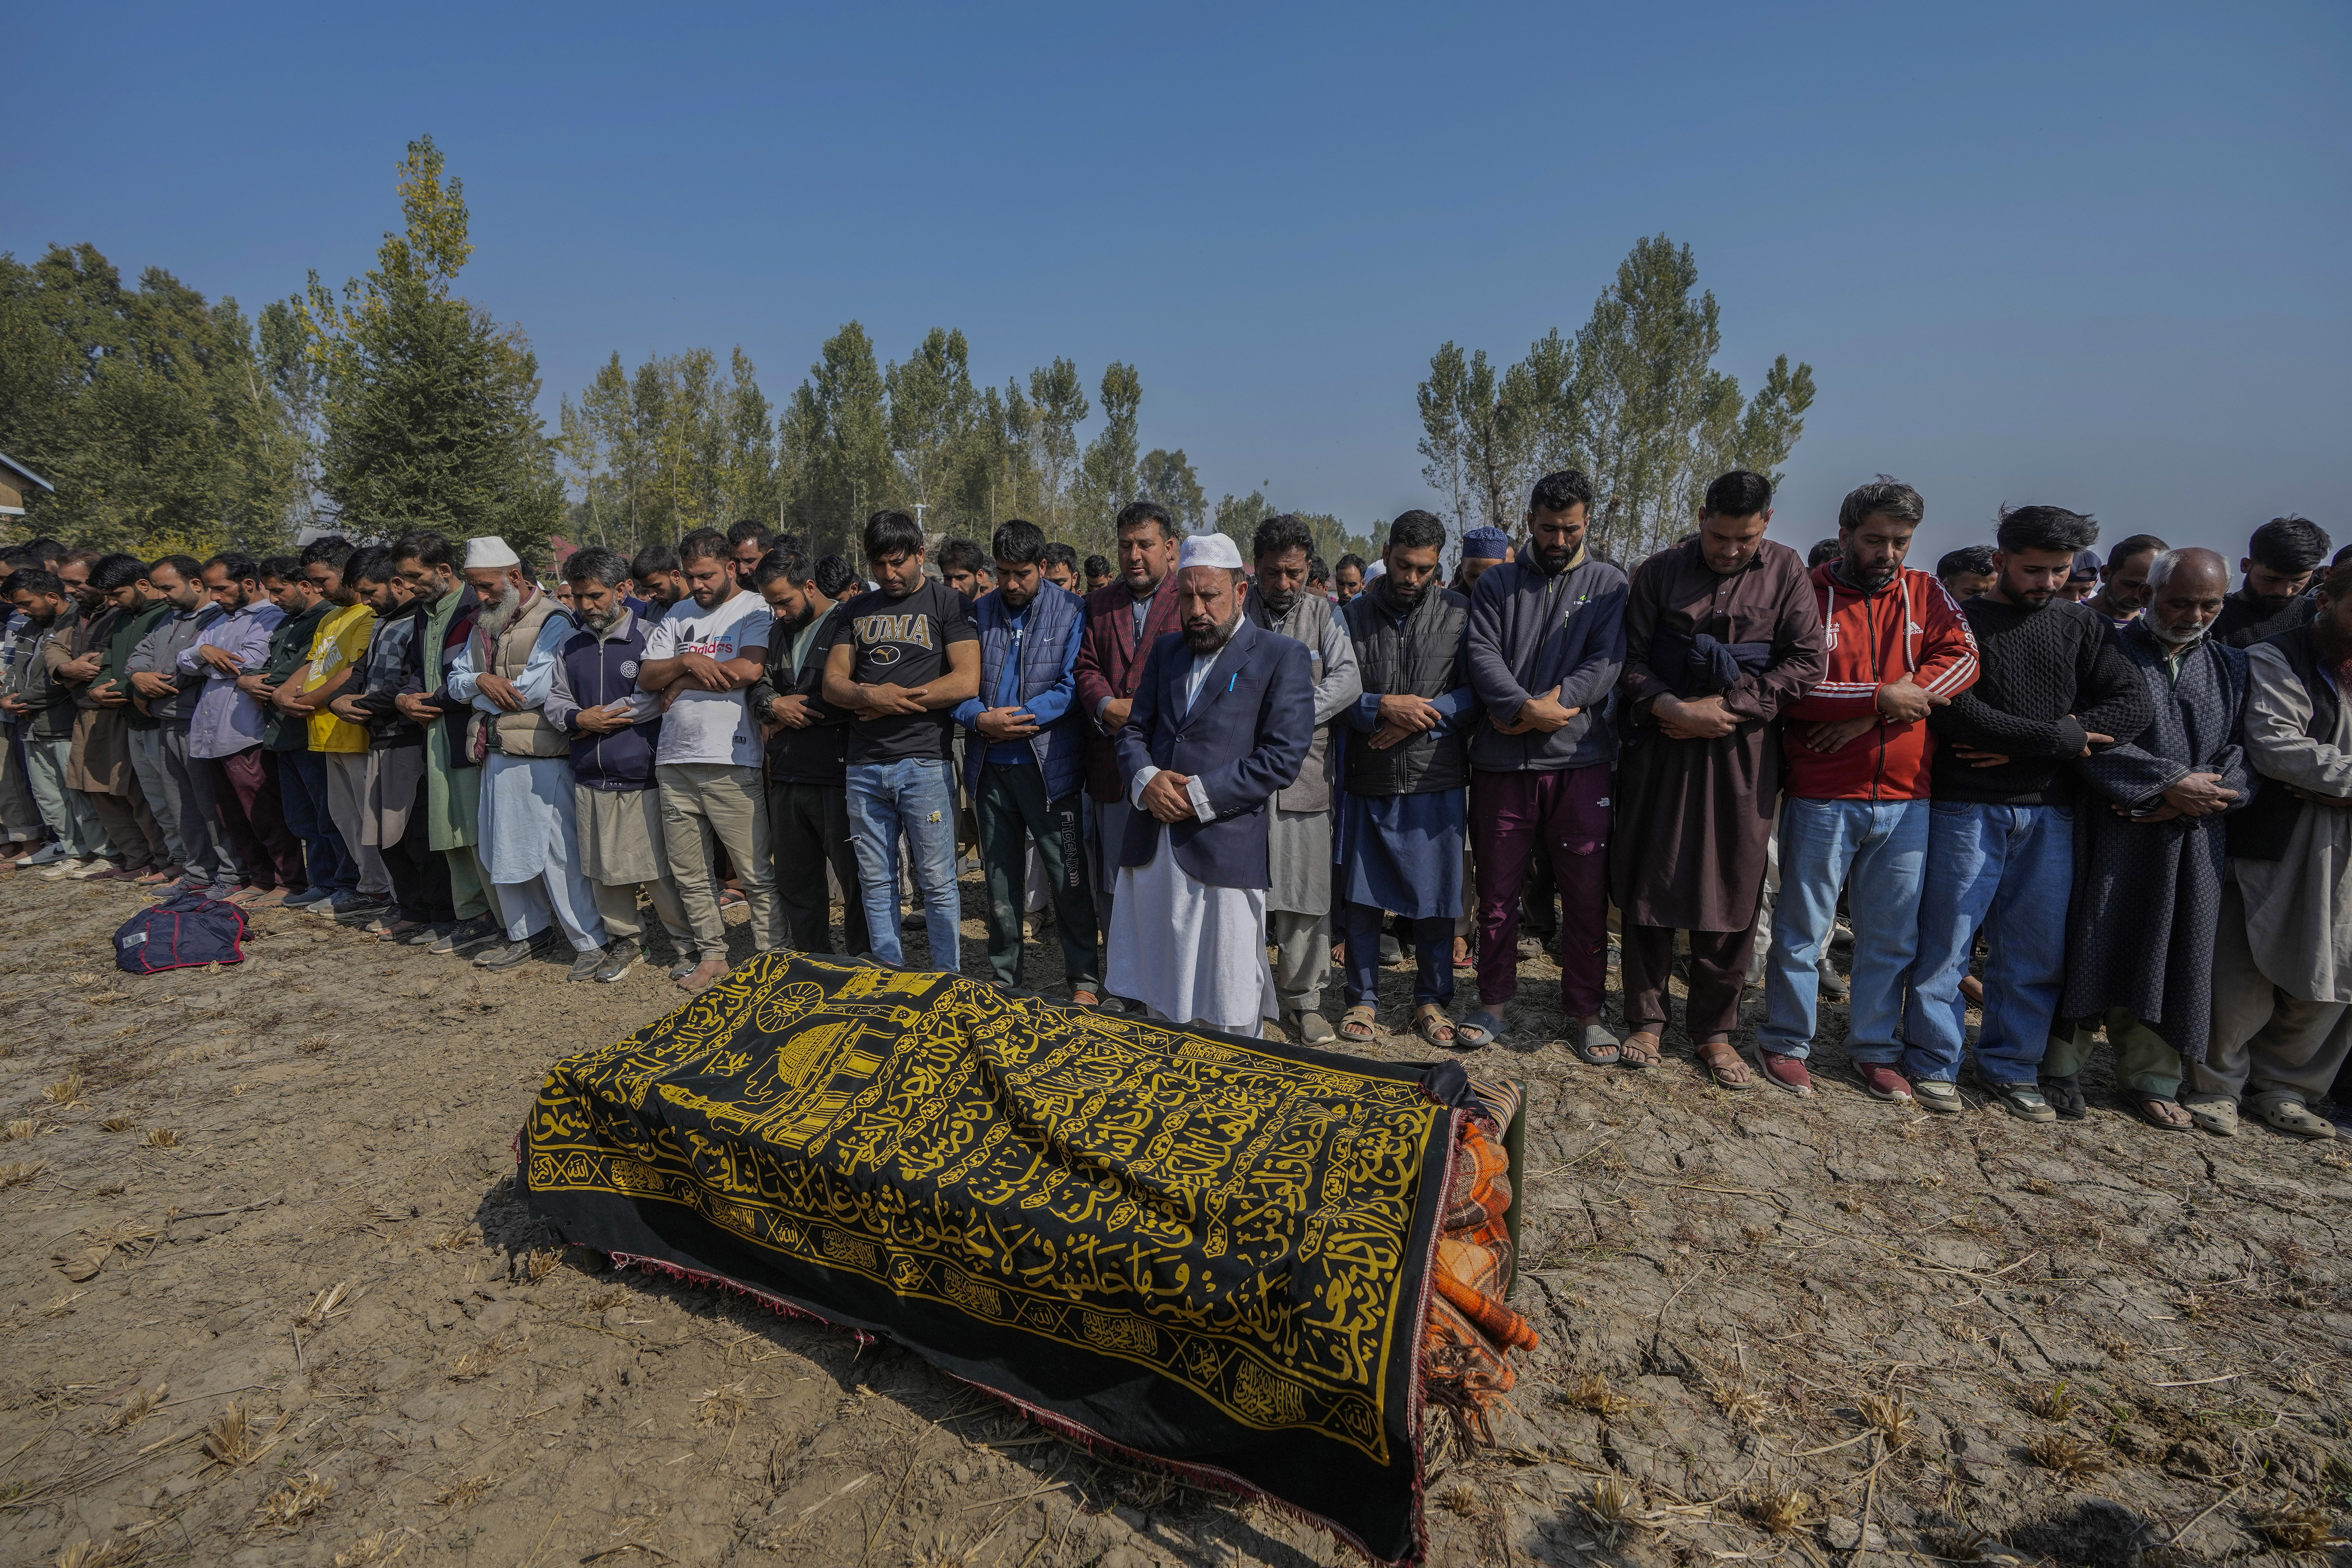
x=1871, y=640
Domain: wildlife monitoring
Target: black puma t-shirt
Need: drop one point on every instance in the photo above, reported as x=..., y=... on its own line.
x=904, y=642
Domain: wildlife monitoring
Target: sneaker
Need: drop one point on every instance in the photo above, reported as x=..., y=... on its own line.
x=506, y=955
x=48, y=854
x=585, y=965
x=426, y=935
x=619, y=959
x=94, y=869
x=1787, y=1072
x=1938, y=1096
x=1310, y=1028
x=362, y=909
x=2022, y=1100
x=308, y=896
x=466, y=935
x=1884, y=1082
x=683, y=967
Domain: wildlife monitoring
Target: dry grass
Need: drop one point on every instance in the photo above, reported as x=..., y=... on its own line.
x=465, y=1493
x=1740, y=1404
x=2294, y=1529
x=726, y=1404
x=16, y=1172
x=66, y=1090
x=99, y=1554
x=1614, y=1507
x=456, y=1240
x=369, y=1549
x=323, y=1305
x=1889, y=1418
x=314, y=1046
x=2066, y=1455
x=478, y=1362
x=1779, y=1510
x=1964, y=1545
x=296, y=1498
x=2040, y=1186
x=116, y=1124
x=1461, y=1498
x=23, y=1127
x=159, y=1138
x=1594, y=1393
x=234, y=1440
x=2050, y=1400
x=137, y=1408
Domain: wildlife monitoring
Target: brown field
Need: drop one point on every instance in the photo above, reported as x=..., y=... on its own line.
x=269, y=1297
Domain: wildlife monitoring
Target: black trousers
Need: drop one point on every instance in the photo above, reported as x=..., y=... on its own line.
x=420, y=874
x=808, y=827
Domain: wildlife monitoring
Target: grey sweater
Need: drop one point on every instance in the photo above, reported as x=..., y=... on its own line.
x=1530, y=632
x=158, y=653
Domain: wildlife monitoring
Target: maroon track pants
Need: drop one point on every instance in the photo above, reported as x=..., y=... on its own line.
x=255, y=821
x=1567, y=815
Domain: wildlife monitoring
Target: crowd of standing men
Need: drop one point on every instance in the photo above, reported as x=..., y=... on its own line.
x=2125, y=786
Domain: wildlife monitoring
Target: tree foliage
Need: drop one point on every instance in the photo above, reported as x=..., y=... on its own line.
x=1634, y=400
x=165, y=422
x=679, y=446
x=428, y=407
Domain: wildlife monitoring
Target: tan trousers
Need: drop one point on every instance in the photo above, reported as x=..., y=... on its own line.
x=617, y=902
x=2264, y=1040
x=703, y=801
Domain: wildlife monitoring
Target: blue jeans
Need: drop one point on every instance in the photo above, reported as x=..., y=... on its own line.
x=918, y=798
x=2009, y=870
x=1882, y=845
x=302, y=790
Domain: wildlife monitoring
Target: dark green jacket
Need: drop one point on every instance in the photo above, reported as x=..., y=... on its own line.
x=128, y=629
x=290, y=644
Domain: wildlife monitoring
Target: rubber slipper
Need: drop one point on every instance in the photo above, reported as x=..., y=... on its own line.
x=1481, y=1028
x=2146, y=1107
x=1727, y=1067
x=2066, y=1098
x=1596, y=1047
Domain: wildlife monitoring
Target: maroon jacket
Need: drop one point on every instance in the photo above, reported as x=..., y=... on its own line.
x=1110, y=664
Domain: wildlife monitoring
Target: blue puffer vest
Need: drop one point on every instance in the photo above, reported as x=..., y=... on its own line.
x=600, y=671
x=1052, y=619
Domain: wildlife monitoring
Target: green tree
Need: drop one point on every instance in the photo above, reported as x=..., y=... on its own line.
x=1660, y=420
x=1058, y=402
x=837, y=445
x=931, y=411
x=1167, y=478
x=996, y=472
x=429, y=410
x=1487, y=436
x=153, y=412
x=1107, y=477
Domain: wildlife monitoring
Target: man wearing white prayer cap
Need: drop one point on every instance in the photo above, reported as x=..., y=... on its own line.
x=1222, y=720
x=529, y=835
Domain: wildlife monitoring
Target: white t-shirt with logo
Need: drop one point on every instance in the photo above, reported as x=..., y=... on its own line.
x=709, y=726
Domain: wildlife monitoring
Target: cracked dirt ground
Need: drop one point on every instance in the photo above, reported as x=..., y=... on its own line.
x=269, y=1297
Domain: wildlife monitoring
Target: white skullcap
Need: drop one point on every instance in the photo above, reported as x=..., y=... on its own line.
x=1377, y=569
x=1210, y=550
x=489, y=550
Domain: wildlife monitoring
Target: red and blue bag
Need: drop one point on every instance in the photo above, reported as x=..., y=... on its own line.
x=179, y=933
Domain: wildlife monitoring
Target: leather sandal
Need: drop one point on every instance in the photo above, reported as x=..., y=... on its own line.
x=1721, y=1060
x=1357, y=1023
x=1638, y=1050
x=1430, y=1022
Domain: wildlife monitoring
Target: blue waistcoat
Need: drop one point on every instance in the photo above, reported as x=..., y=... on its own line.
x=599, y=671
x=1052, y=621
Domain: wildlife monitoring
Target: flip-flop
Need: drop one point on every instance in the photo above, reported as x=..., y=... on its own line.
x=1730, y=1070
x=1633, y=1053
x=1481, y=1028
x=2066, y=1098
x=2144, y=1106
x=1356, y=1024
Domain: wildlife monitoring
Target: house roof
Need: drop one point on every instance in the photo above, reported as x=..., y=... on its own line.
x=15, y=467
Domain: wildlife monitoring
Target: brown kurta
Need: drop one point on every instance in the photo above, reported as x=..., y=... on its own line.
x=1694, y=817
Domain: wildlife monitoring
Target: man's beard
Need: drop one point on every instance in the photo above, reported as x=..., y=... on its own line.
x=496, y=618
x=2170, y=637
x=2025, y=598
x=1400, y=594
x=1865, y=580
x=1211, y=637
x=1278, y=604
x=1554, y=558
x=605, y=621
x=793, y=624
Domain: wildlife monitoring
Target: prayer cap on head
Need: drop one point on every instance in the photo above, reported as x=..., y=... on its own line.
x=1210, y=550
x=1377, y=569
x=489, y=550
x=2087, y=567
x=1485, y=544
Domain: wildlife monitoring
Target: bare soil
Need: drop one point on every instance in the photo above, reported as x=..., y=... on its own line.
x=269, y=1297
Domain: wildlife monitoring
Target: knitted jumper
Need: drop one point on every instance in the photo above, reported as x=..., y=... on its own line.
x=2048, y=679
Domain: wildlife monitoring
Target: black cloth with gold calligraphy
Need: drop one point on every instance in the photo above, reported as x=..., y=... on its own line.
x=1211, y=1250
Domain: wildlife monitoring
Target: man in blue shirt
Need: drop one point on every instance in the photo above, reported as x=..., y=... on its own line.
x=1026, y=760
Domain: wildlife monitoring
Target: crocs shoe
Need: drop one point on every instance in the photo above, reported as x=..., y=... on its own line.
x=2290, y=1114
x=2214, y=1113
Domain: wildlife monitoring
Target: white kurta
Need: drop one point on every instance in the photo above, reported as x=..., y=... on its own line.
x=1187, y=951
x=530, y=836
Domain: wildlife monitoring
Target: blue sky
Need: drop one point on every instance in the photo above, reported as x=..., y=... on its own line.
x=2090, y=254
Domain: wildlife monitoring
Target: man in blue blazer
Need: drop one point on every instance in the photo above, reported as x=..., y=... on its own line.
x=1223, y=719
